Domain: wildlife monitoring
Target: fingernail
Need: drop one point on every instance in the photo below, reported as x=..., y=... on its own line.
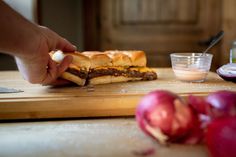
x=74, y=47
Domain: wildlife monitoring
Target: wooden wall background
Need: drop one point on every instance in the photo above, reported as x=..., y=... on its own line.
x=134, y=29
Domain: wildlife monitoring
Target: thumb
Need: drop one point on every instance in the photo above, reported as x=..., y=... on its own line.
x=64, y=64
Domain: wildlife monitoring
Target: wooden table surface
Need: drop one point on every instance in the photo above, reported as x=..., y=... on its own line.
x=90, y=137
x=113, y=137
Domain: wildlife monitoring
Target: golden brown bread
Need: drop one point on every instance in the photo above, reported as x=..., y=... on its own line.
x=98, y=59
x=93, y=59
x=116, y=58
x=138, y=58
x=111, y=79
x=73, y=78
x=100, y=80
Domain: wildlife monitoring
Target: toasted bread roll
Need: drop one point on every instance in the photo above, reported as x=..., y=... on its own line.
x=115, y=79
x=118, y=58
x=138, y=58
x=98, y=59
x=127, y=58
x=73, y=78
x=100, y=80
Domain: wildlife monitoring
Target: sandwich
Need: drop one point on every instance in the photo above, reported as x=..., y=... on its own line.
x=94, y=67
x=77, y=71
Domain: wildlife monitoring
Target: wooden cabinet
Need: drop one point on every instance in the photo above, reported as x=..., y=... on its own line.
x=158, y=27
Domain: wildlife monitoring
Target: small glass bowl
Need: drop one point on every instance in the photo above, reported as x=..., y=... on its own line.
x=191, y=67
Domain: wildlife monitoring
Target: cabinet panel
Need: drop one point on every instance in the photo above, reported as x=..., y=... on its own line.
x=158, y=11
x=159, y=27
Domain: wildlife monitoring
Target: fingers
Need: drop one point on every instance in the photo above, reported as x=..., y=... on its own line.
x=54, y=71
x=55, y=41
x=64, y=45
x=64, y=64
x=51, y=73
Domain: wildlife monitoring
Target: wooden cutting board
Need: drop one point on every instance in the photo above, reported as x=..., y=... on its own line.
x=119, y=99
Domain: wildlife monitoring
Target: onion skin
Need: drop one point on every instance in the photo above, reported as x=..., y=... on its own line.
x=222, y=103
x=199, y=104
x=216, y=105
x=201, y=108
x=163, y=112
x=221, y=137
x=150, y=105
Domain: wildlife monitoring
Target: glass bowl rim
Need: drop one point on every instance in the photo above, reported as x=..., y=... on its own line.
x=190, y=54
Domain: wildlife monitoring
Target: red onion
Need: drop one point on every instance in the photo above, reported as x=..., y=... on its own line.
x=219, y=110
x=221, y=137
x=201, y=108
x=227, y=72
x=215, y=105
x=166, y=117
x=222, y=103
x=199, y=104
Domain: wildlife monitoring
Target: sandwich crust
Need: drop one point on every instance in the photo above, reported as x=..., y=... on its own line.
x=100, y=80
x=116, y=58
x=115, y=79
x=137, y=57
x=111, y=79
x=119, y=58
x=73, y=78
x=98, y=59
x=80, y=60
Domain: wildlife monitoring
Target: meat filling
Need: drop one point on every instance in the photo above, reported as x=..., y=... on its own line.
x=81, y=73
x=149, y=75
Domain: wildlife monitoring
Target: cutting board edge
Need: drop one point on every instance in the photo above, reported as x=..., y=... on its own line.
x=99, y=107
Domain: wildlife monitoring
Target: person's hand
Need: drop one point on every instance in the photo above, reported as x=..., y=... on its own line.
x=35, y=63
x=31, y=44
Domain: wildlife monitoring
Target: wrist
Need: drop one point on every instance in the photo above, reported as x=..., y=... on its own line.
x=17, y=34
